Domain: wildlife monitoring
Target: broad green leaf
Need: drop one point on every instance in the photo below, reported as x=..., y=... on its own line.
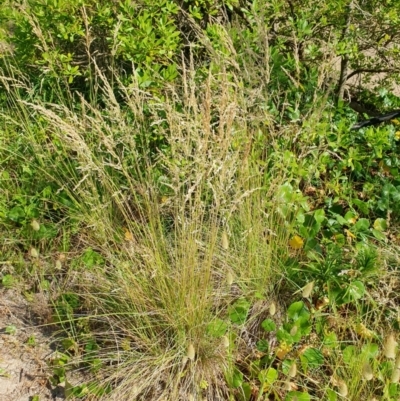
x=361, y=225
x=349, y=354
x=262, y=345
x=217, y=328
x=268, y=325
x=332, y=395
x=283, y=336
x=7, y=280
x=16, y=214
x=311, y=358
x=296, y=309
x=319, y=216
x=237, y=379
x=297, y=396
x=239, y=310
x=330, y=339
x=380, y=224
x=245, y=392
x=379, y=235
x=92, y=258
x=268, y=375
x=356, y=290
x=370, y=350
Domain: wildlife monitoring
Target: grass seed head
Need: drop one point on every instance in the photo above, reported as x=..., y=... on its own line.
x=342, y=388
x=272, y=309
x=35, y=225
x=224, y=240
x=293, y=370
x=190, y=352
x=389, y=348
x=367, y=371
x=395, y=375
x=307, y=290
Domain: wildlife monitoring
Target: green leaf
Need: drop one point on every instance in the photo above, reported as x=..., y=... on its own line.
x=379, y=235
x=262, y=345
x=237, y=379
x=312, y=358
x=92, y=258
x=356, y=290
x=297, y=396
x=363, y=206
x=349, y=354
x=332, y=395
x=361, y=225
x=16, y=214
x=11, y=329
x=7, y=280
x=283, y=336
x=268, y=376
x=370, y=350
x=217, y=328
x=380, y=224
x=268, y=325
x=297, y=309
x=330, y=340
x=245, y=392
x=349, y=217
x=238, y=311
x=319, y=216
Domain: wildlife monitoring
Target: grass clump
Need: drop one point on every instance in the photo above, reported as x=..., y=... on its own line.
x=166, y=251
x=195, y=239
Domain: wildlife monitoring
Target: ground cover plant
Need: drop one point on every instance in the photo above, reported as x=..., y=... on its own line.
x=180, y=183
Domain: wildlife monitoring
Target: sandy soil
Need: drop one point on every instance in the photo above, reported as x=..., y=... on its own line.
x=24, y=350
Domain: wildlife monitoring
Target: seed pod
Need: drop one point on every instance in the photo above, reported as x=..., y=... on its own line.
x=389, y=348
x=342, y=388
x=287, y=385
x=34, y=253
x=35, y=225
x=293, y=370
x=395, y=376
x=190, y=352
x=272, y=309
x=307, y=290
x=367, y=371
x=229, y=278
x=224, y=240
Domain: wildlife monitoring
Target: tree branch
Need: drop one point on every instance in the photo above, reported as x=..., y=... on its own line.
x=344, y=63
x=371, y=70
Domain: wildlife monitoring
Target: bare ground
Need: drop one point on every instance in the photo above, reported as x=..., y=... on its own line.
x=24, y=352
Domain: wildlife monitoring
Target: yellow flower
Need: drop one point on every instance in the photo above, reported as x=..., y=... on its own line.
x=283, y=350
x=296, y=242
x=128, y=235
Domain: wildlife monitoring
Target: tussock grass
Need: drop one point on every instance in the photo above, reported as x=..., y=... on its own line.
x=183, y=232
x=178, y=191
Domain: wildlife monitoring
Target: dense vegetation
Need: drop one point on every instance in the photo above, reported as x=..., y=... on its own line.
x=180, y=181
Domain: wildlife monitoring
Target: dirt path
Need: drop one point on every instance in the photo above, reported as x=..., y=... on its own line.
x=24, y=350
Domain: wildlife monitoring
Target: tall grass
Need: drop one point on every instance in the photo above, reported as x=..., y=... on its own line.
x=179, y=192
x=184, y=228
